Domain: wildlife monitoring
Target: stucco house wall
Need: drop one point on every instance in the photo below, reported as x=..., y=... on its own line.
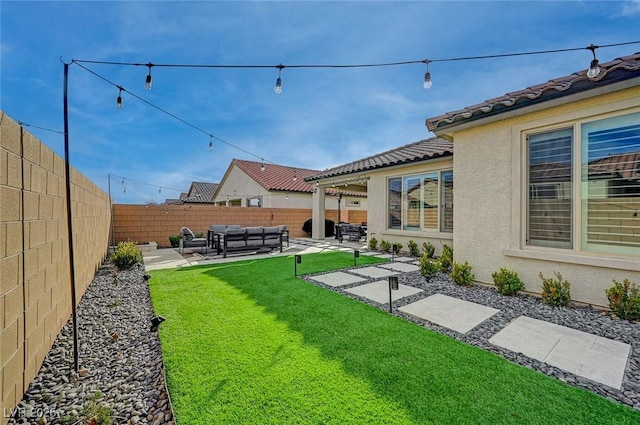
x=489, y=213
x=240, y=187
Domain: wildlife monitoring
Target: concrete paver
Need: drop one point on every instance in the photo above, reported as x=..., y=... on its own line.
x=400, y=267
x=452, y=313
x=379, y=291
x=374, y=272
x=338, y=278
x=599, y=359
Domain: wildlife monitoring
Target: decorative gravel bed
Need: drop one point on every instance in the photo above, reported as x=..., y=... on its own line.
x=121, y=370
x=582, y=318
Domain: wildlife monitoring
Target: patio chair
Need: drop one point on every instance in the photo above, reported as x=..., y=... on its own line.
x=190, y=241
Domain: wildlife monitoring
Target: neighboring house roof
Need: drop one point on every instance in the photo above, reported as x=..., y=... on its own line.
x=207, y=190
x=617, y=70
x=276, y=177
x=280, y=177
x=626, y=166
x=421, y=150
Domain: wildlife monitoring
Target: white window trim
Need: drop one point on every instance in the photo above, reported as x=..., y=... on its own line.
x=519, y=192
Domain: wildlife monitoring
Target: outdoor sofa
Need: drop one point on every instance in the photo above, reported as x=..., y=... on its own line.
x=249, y=239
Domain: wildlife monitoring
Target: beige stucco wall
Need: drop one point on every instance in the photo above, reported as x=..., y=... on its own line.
x=35, y=297
x=489, y=202
x=377, y=198
x=238, y=185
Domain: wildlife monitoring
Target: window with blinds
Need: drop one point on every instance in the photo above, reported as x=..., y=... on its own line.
x=549, y=206
x=611, y=185
x=421, y=202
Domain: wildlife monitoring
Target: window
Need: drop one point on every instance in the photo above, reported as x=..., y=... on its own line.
x=607, y=191
x=611, y=185
x=549, y=204
x=421, y=202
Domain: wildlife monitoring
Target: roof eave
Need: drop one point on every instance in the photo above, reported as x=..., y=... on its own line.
x=445, y=130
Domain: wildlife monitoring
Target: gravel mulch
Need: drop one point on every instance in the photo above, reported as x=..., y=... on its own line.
x=121, y=372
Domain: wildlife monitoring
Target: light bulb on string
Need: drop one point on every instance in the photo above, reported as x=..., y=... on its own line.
x=149, y=80
x=594, y=67
x=277, y=89
x=119, y=101
x=294, y=175
x=262, y=166
x=427, y=78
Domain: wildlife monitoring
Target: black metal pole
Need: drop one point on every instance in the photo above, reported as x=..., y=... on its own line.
x=113, y=229
x=72, y=274
x=390, y=299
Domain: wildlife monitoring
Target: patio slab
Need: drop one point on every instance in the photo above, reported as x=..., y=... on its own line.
x=453, y=313
x=338, y=279
x=400, y=267
x=373, y=272
x=593, y=357
x=379, y=291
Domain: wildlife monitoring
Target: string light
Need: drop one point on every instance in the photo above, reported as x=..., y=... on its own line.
x=262, y=166
x=119, y=101
x=211, y=143
x=149, y=79
x=427, y=77
x=294, y=175
x=278, y=87
x=594, y=68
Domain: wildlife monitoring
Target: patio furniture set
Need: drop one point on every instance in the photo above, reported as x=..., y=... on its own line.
x=235, y=238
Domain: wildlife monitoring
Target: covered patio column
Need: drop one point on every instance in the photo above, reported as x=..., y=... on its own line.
x=317, y=228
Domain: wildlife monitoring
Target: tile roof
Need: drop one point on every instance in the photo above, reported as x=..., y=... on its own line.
x=280, y=177
x=277, y=177
x=200, y=192
x=421, y=150
x=625, y=165
x=619, y=69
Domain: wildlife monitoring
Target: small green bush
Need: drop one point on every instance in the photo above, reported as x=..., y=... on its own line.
x=413, y=248
x=508, y=282
x=198, y=235
x=428, y=266
x=461, y=274
x=373, y=243
x=126, y=255
x=398, y=245
x=174, y=240
x=385, y=246
x=555, y=292
x=624, y=299
x=446, y=259
x=428, y=248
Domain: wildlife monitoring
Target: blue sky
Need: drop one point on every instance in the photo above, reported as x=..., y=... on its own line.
x=322, y=118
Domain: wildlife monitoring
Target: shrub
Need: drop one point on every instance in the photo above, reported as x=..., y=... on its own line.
x=198, y=235
x=174, y=240
x=624, y=299
x=507, y=281
x=126, y=255
x=446, y=259
x=461, y=274
x=428, y=266
x=385, y=246
x=428, y=248
x=398, y=246
x=413, y=248
x=373, y=243
x=556, y=291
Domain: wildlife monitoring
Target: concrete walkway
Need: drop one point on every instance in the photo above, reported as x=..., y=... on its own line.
x=598, y=359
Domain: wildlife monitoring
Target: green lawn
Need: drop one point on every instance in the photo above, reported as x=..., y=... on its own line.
x=248, y=343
